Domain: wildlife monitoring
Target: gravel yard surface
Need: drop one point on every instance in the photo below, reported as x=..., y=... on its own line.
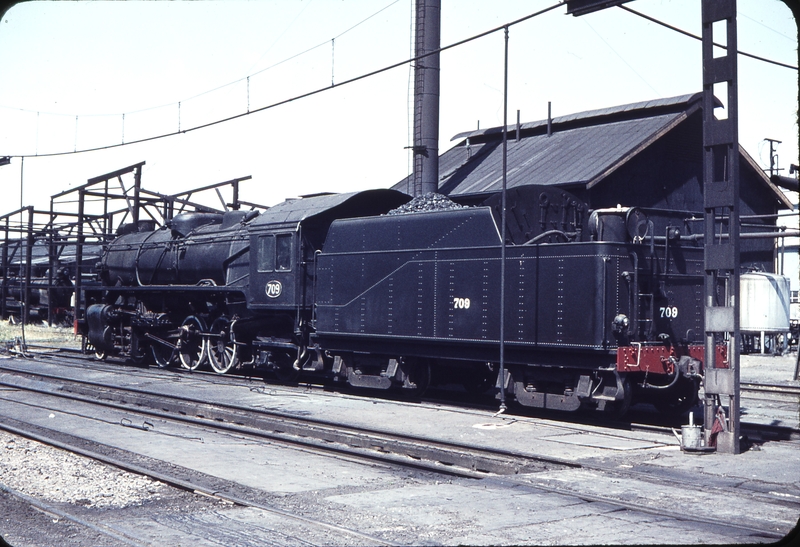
x=61, y=480
x=87, y=490
x=57, y=476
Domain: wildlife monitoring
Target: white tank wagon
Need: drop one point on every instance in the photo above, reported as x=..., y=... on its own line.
x=764, y=311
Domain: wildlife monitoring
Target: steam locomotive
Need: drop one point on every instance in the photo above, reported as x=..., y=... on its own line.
x=601, y=309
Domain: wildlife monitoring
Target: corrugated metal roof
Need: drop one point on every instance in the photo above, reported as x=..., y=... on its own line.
x=582, y=149
x=573, y=156
x=680, y=102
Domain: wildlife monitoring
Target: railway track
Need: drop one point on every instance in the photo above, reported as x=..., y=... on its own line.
x=755, y=432
x=427, y=454
x=58, y=513
x=770, y=389
x=209, y=487
x=356, y=443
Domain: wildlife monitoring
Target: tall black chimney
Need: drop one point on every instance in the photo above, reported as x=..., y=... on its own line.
x=426, y=98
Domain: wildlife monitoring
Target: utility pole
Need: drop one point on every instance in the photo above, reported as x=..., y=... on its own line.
x=773, y=169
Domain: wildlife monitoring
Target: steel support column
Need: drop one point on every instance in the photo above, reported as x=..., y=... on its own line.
x=79, y=258
x=3, y=305
x=52, y=265
x=26, y=293
x=721, y=205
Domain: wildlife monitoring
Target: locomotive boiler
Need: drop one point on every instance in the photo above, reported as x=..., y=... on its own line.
x=601, y=308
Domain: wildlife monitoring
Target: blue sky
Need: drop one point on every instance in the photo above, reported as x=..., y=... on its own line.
x=71, y=70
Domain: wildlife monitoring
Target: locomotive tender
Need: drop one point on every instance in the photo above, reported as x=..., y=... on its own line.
x=602, y=308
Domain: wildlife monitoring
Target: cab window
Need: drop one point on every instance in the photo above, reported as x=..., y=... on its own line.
x=266, y=253
x=274, y=253
x=283, y=252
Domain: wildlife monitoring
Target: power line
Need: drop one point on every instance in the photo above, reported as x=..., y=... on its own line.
x=355, y=79
x=696, y=37
x=222, y=86
x=303, y=95
x=621, y=58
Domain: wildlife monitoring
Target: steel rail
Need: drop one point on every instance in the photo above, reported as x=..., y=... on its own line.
x=529, y=480
x=417, y=452
x=187, y=485
x=755, y=432
x=777, y=389
x=103, y=529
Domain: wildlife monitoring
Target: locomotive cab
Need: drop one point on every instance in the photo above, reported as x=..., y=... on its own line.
x=273, y=269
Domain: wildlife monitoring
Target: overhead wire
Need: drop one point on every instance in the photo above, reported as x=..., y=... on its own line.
x=696, y=37
x=348, y=81
x=272, y=45
x=221, y=86
x=302, y=95
x=621, y=58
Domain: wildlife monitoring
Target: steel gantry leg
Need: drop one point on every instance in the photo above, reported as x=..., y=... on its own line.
x=721, y=204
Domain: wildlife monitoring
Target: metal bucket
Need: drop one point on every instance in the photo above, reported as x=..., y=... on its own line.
x=691, y=437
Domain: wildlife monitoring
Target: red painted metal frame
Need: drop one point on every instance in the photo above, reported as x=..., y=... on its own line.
x=656, y=359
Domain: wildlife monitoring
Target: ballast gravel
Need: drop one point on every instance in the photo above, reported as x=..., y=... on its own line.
x=57, y=476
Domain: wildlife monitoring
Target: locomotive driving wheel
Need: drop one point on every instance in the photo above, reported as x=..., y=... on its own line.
x=284, y=368
x=163, y=353
x=192, y=343
x=222, y=348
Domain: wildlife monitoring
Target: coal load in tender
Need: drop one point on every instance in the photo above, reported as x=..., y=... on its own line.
x=426, y=202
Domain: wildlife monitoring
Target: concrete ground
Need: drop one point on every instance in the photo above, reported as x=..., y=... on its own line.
x=646, y=470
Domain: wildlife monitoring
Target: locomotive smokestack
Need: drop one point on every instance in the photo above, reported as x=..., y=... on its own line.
x=426, y=98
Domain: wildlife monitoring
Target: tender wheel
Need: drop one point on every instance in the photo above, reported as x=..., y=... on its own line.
x=192, y=343
x=418, y=377
x=479, y=380
x=617, y=409
x=222, y=348
x=679, y=399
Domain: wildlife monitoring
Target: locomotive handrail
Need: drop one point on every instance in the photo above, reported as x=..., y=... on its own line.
x=235, y=255
x=638, y=352
x=138, y=254
x=317, y=252
x=143, y=288
x=637, y=320
x=238, y=279
x=565, y=235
